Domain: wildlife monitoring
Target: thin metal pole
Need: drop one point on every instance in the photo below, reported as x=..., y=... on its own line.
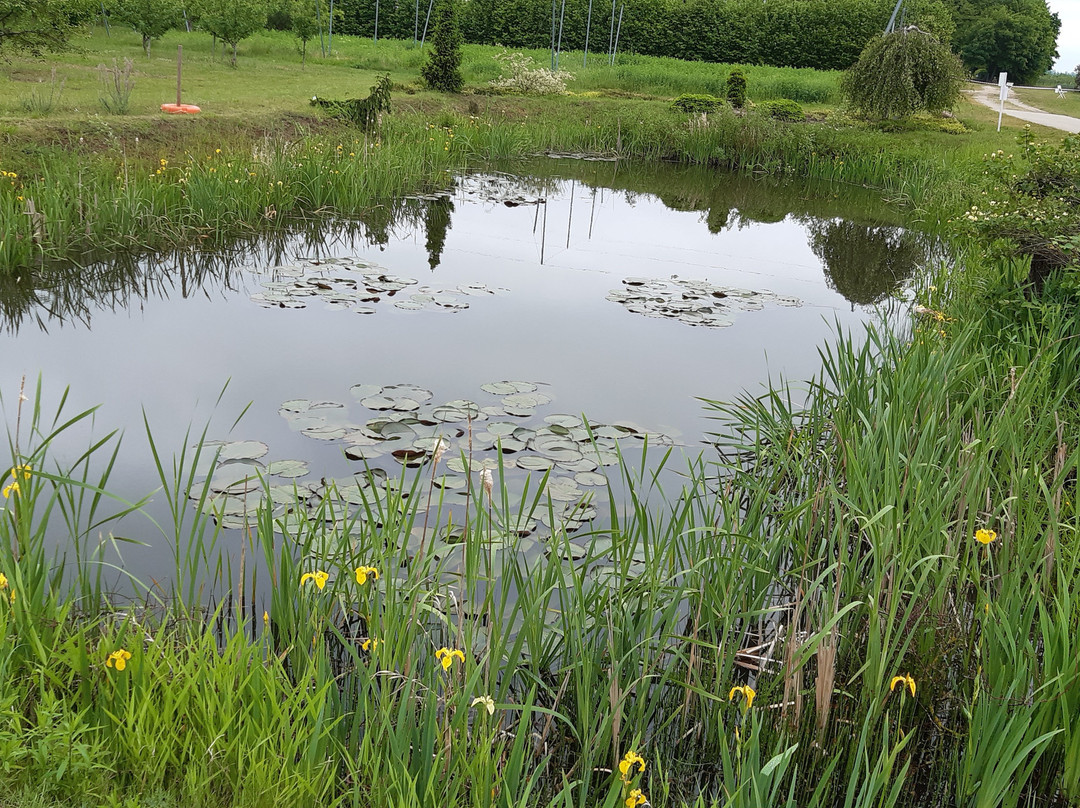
x=105, y=19
x=570, y=218
x=552, y=36
x=426, y=20
x=558, y=48
x=611, y=34
x=376, y=37
x=618, y=31
x=179, y=67
x=416, y=22
x=330, y=31
x=588, y=24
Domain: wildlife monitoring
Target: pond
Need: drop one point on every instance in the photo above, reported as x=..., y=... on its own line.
x=497, y=317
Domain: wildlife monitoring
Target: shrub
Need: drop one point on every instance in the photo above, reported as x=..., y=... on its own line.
x=363, y=112
x=1078, y=77
x=520, y=74
x=697, y=103
x=783, y=110
x=902, y=73
x=736, y=89
x=442, y=69
x=1033, y=203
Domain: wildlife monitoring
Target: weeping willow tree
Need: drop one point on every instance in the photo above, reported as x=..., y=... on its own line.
x=901, y=73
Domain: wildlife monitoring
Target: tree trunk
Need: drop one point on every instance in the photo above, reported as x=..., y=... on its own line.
x=146, y=45
x=234, y=54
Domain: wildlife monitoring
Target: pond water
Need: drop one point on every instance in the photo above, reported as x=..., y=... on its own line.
x=509, y=307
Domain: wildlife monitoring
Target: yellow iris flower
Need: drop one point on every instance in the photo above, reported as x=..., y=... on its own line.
x=486, y=702
x=319, y=577
x=636, y=798
x=446, y=657
x=370, y=644
x=118, y=659
x=747, y=692
x=626, y=765
x=902, y=682
x=985, y=535
x=362, y=574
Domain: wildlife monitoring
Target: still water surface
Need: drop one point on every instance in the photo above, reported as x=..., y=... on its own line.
x=623, y=294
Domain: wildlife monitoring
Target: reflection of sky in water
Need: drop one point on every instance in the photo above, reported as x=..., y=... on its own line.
x=552, y=325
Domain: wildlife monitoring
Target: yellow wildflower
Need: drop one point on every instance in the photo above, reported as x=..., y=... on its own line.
x=362, y=574
x=370, y=644
x=747, y=692
x=11, y=488
x=985, y=535
x=3, y=581
x=118, y=659
x=626, y=765
x=446, y=657
x=902, y=682
x=636, y=798
x=266, y=618
x=319, y=577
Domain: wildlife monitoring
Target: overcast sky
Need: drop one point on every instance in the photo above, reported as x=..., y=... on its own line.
x=1068, y=43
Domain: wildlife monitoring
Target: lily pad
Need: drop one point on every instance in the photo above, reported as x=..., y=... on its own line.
x=288, y=469
x=507, y=388
x=243, y=450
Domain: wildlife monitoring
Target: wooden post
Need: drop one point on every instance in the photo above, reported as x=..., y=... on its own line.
x=179, y=67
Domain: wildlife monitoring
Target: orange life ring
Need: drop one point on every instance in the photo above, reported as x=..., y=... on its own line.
x=190, y=109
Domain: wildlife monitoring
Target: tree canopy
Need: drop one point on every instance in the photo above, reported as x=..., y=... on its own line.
x=36, y=26
x=1016, y=36
x=151, y=18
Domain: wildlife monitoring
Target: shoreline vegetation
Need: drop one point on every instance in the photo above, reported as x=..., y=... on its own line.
x=865, y=600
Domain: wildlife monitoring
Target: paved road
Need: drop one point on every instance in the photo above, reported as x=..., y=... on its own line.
x=1014, y=108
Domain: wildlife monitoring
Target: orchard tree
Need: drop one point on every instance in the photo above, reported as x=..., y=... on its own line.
x=1015, y=36
x=232, y=21
x=901, y=73
x=305, y=16
x=150, y=18
x=36, y=26
x=442, y=69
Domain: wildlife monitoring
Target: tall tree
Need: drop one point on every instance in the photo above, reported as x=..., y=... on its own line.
x=150, y=18
x=1016, y=36
x=442, y=69
x=305, y=16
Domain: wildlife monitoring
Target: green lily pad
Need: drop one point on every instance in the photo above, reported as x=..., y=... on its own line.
x=243, y=450
x=507, y=388
x=288, y=469
x=590, y=478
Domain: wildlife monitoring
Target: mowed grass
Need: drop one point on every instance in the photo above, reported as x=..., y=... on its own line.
x=1048, y=101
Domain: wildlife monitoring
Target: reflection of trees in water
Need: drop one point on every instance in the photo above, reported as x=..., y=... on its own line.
x=866, y=263
x=53, y=295
x=436, y=223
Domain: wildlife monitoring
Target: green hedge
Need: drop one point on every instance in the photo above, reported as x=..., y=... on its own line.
x=823, y=34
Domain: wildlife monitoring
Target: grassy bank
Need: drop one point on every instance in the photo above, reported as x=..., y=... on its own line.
x=78, y=181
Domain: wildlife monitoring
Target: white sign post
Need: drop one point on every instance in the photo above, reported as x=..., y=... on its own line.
x=1003, y=93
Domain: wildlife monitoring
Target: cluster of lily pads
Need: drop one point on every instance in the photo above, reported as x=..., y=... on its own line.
x=457, y=440
x=357, y=285
x=693, y=302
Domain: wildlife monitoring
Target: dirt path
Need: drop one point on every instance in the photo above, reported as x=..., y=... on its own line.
x=1014, y=108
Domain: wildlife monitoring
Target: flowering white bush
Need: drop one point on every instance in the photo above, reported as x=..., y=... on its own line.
x=520, y=74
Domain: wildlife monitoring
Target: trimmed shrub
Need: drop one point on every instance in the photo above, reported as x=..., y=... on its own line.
x=783, y=109
x=736, y=89
x=697, y=103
